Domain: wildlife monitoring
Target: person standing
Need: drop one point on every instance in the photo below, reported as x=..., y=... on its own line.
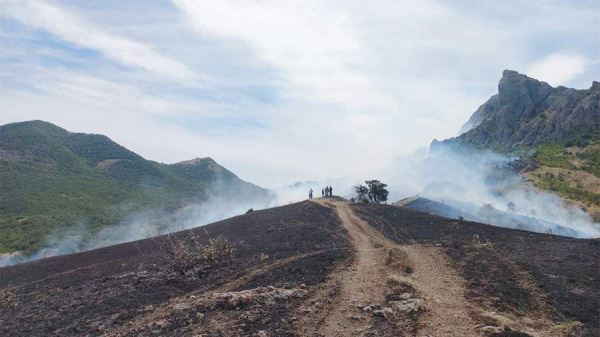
x=330, y=191
x=310, y=193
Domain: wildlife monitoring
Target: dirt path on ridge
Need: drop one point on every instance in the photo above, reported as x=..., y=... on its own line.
x=425, y=269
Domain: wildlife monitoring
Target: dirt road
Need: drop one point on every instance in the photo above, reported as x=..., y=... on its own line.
x=412, y=288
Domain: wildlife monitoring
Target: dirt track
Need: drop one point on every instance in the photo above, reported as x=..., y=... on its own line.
x=379, y=262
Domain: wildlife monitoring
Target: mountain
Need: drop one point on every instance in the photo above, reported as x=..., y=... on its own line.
x=324, y=267
x=526, y=113
x=52, y=180
x=554, y=133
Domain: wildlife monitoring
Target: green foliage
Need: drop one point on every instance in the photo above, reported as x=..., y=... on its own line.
x=591, y=158
x=51, y=179
x=553, y=155
x=550, y=182
x=556, y=155
x=362, y=194
x=374, y=192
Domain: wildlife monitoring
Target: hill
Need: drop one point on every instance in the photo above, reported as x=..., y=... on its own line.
x=318, y=268
x=554, y=133
x=52, y=180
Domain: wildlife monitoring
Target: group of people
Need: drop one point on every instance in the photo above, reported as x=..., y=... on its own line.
x=327, y=191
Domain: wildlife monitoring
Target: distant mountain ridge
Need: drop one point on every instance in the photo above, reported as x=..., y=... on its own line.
x=51, y=178
x=526, y=113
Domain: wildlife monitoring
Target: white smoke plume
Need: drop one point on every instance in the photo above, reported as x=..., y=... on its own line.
x=472, y=180
x=223, y=202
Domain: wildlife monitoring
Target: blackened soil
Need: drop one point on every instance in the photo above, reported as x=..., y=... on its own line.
x=494, y=261
x=284, y=258
x=95, y=292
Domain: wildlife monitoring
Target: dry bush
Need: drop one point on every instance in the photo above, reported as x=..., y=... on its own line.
x=9, y=299
x=570, y=326
x=191, y=256
x=398, y=259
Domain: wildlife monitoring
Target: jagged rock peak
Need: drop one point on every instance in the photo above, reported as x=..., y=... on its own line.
x=514, y=86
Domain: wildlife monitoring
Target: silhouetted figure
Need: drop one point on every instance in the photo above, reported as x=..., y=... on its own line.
x=322, y=192
x=330, y=191
x=310, y=193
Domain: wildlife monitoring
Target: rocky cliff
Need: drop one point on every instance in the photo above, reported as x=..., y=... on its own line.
x=526, y=113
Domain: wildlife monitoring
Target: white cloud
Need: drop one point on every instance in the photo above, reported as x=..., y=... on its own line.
x=558, y=68
x=69, y=27
x=290, y=90
x=314, y=46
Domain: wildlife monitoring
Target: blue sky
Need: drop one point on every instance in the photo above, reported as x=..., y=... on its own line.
x=281, y=91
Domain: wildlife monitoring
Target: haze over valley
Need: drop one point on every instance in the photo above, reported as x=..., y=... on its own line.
x=299, y=168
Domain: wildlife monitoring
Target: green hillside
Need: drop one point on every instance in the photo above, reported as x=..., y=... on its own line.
x=51, y=179
x=571, y=172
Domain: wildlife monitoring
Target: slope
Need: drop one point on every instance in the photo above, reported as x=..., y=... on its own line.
x=321, y=268
x=52, y=179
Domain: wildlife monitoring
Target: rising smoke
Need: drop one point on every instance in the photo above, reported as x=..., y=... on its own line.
x=224, y=201
x=483, y=183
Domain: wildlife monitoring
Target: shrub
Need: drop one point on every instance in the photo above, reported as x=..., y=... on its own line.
x=191, y=256
x=9, y=299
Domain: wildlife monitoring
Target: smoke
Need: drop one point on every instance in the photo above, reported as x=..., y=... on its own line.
x=484, y=184
x=299, y=190
x=224, y=201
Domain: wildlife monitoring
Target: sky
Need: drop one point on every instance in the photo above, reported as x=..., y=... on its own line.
x=281, y=91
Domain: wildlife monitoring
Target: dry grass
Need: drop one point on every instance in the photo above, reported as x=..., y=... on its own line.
x=9, y=299
x=398, y=260
x=569, y=326
x=190, y=256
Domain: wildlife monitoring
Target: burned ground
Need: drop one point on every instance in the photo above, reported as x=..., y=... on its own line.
x=325, y=268
x=92, y=293
x=506, y=270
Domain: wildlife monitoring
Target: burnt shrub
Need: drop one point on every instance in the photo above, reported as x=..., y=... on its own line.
x=192, y=256
x=9, y=299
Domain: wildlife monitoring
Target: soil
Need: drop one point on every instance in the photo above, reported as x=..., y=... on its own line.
x=539, y=284
x=319, y=268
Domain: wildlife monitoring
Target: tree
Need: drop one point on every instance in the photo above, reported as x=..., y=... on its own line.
x=377, y=191
x=374, y=192
x=362, y=193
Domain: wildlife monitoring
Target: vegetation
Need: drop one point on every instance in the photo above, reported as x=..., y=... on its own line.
x=192, y=257
x=9, y=299
x=550, y=182
x=52, y=180
x=560, y=169
x=570, y=326
x=553, y=155
x=374, y=192
x=558, y=155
